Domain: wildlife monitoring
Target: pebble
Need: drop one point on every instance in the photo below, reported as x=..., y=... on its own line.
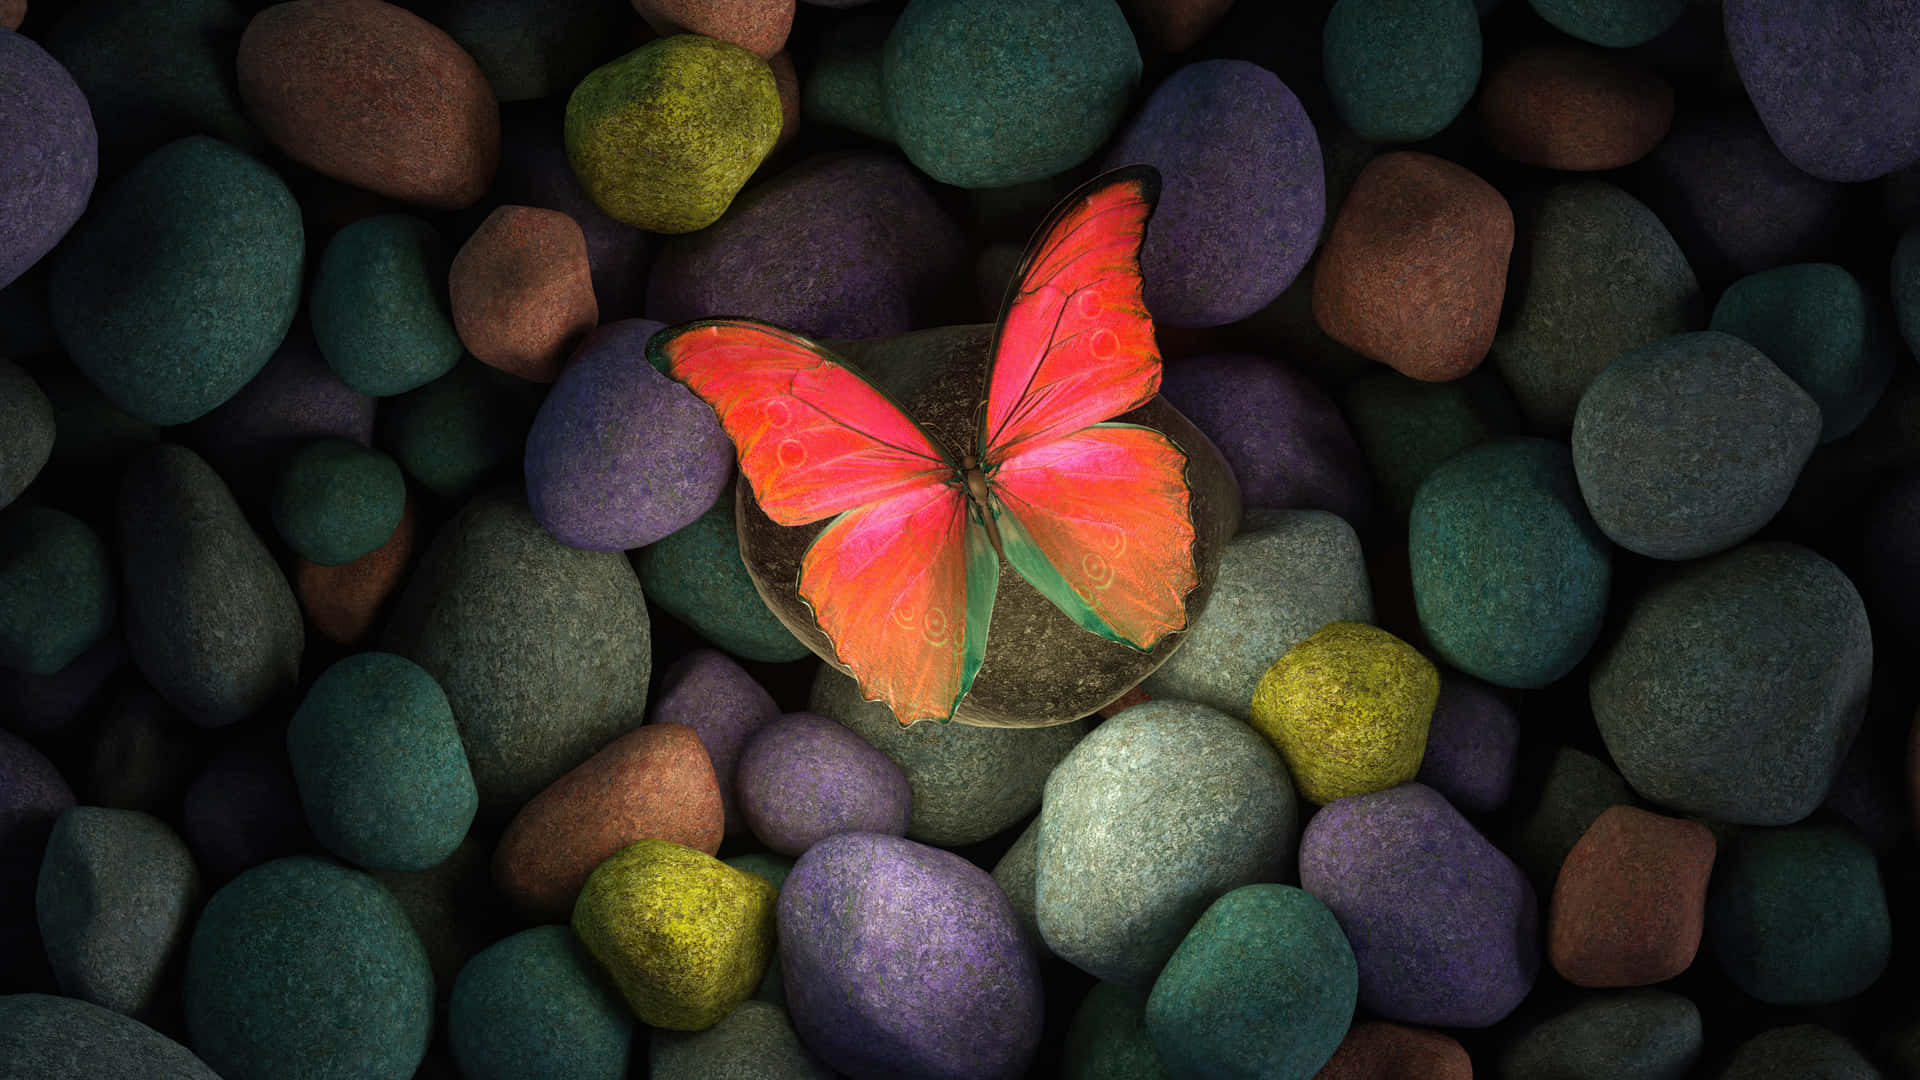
x=453, y=907
x=1380, y=1050
x=535, y=50
x=709, y=691
x=803, y=778
x=457, y=431
x=27, y=418
x=46, y=182
x=1407, y=428
x=343, y=602
x=1821, y=326
x=379, y=305
x=775, y=868
x=337, y=501
x=1015, y=874
x=295, y=399
x=1650, y=1034
x=1806, y=1050
x=1619, y=24
x=1631, y=900
x=521, y=291
x=755, y=1042
x=1107, y=1039
x=1172, y=26
x=1473, y=744
x=654, y=782
x=758, y=26
x=44, y=1037
x=533, y=1005
x=534, y=172
x=371, y=94
x=844, y=87
x=57, y=591
x=1560, y=105
x=1400, y=71
x=696, y=575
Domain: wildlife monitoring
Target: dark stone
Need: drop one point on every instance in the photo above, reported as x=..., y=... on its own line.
x=536, y=1004
x=43, y=1037
x=27, y=430
x=1798, y=916
x=1646, y=1034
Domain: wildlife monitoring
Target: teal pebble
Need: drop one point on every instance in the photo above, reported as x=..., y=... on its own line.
x=1510, y=573
x=452, y=434
x=1552, y=808
x=1817, y=323
x=57, y=592
x=377, y=758
x=336, y=501
x=536, y=1006
x=1616, y=24
x=1408, y=428
x=181, y=281
x=1645, y=1034
x=302, y=969
x=756, y=1041
x=44, y=1037
x=1264, y=984
x=775, y=868
x=1107, y=1039
x=696, y=576
x=379, y=305
x=27, y=430
x=1401, y=70
x=1906, y=287
x=843, y=87
x=1797, y=915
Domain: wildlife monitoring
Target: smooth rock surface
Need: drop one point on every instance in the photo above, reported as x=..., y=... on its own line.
x=710, y=692
x=379, y=305
x=1821, y=326
x=1631, y=900
x=27, y=418
x=45, y=185
x=1798, y=916
x=1399, y=70
x=521, y=291
x=1574, y=107
x=1641, y=1033
x=755, y=1042
x=43, y=1037
x=536, y=1005
x=1473, y=744
x=803, y=778
x=696, y=575
x=58, y=596
x=337, y=501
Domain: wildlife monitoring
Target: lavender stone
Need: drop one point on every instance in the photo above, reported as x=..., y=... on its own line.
x=1473, y=744
x=47, y=173
x=709, y=692
x=804, y=778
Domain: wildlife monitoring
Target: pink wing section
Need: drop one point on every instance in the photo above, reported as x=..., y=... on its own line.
x=1075, y=343
x=814, y=437
x=1107, y=509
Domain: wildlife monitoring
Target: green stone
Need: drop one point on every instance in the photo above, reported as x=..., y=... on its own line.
x=1401, y=70
x=775, y=868
x=57, y=592
x=536, y=1005
x=44, y=1037
x=1802, y=1051
x=27, y=430
x=1408, y=428
x=1107, y=1039
x=535, y=49
x=696, y=575
x=685, y=936
x=379, y=305
x=1821, y=327
x=844, y=87
x=1798, y=916
x=337, y=500
x=458, y=430
x=1554, y=806
x=1616, y=24
x=1645, y=1034
x=756, y=1041
x=664, y=137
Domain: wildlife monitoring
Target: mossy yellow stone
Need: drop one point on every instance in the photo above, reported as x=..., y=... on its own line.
x=1348, y=709
x=664, y=137
x=685, y=937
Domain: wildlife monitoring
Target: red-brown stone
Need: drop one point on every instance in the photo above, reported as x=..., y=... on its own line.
x=13, y=13
x=1631, y=900
x=1414, y=270
x=343, y=601
x=1171, y=26
x=655, y=782
x=1575, y=107
x=522, y=293
x=1378, y=1050
x=758, y=26
x=374, y=95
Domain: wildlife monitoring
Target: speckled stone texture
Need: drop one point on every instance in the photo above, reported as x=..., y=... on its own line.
x=1400, y=70
x=343, y=602
x=1735, y=687
x=969, y=783
x=1837, y=82
x=664, y=137
x=1631, y=900
x=1805, y=1050
x=115, y=894
x=1567, y=106
x=543, y=650
x=536, y=50
x=1159, y=812
x=696, y=575
x=26, y=430
x=302, y=969
x=1443, y=925
x=620, y=455
x=1510, y=574
x=379, y=305
x=1690, y=445
x=684, y=936
x=755, y=1042
x=1594, y=273
x=843, y=88
x=43, y=1037
x=521, y=291
x=653, y=782
x=295, y=399
x=1652, y=1034
x=57, y=590
x=1616, y=24
x=759, y=26
x=1415, y=267
x=803, y=778
x=1553, y=806
x=989, y=93
x=535, y=1004
x=337, y=501
x=1282, y=435
x=1107, y=1039
x=1379, y=1050
x=46, y=182
x=1473, y=744
x=1407, y=428
x=1823, y=328
x=709, y=691
x=534, y=172
x=903, y=960
x=178, y=287
x=1015, y=875
x=454, y=909
x=842, y=245
x=1243, y=197
x=210, y=620
x=372, y=95
x=461, y=429
x=1798, y=916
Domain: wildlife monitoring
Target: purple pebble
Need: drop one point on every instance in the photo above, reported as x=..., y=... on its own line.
x=1286, y=440
x=803, y=778
x=1444, y=926
x=1473, y=744
x=848, y=245
x=295, y=398
x=534, y=172
x=51, y=156
x=709, y=692
x=620, y=455
x=1837, y=82
x=902, y=960
x=1242, y=191
x=244, y=808
x=33, y=795
x=49, y=704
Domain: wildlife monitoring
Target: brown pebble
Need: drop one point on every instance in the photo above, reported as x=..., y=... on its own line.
x=1171, y=26
x=13, y=13
x=1575, y=107
x=522, y=292
x=343, y=601
x=1415, y=267
x=1631, y=900
x=1378, y=1050
x=655, y=782
x=787, y=81
x=374, y=95
x=759, y=26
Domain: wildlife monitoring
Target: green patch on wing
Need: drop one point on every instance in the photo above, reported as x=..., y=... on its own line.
x=1033, y=564
x=983, y=579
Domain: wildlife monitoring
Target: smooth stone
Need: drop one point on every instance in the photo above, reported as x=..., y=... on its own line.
x=535, y=1005
x=1407, y=428
x=1242, y=199
x=521, y=291
x=803, y=778
x=296, y=939
x=902, y=960
x=46, y=182
x=620, y=455
x=843, y=87
x=180, y=285
x=39, y=705
x=1616, y=24
x=1595, y=274
x=372, y=95
x=295, y=399
x=116, y=891
x=44, y=1037
x=1574, y=107
x=1734, y=687
x=754, y=1042
x=758, y=26
x=775, y=868
x=535, y=50
x=379, y=305
x=343, y=602
x=454, y=908
x=1510, y=574
x=337, y=501
x=210, y=620
x=1630, y=903
x=968, y=783
x=454, y=433
x=1400, y=70
x=1808, y=1051
x=1379, y=1050
x=709, y=691
x=57, y=591
x=1650, y=1034
x=27, y=420
x=1156, y=814
x=1015, y=874
x=1443, y=925
x=1171, y=26
x=684, y=936
x=1473, y=744
x=1798, y=916
x=1820, y=325
x=543, y=650
x=696, y=574
x=1107, y=1039
x=243, y=808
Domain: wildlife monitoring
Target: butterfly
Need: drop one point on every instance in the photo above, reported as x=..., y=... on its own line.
x=1093, y=514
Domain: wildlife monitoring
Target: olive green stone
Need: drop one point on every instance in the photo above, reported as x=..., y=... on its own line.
x=685, y=936
x=1348, y=709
